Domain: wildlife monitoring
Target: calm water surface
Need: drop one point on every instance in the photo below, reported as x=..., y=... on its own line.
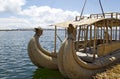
x=14, y=59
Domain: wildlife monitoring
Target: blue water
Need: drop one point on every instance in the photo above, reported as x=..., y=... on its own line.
x=14, y=59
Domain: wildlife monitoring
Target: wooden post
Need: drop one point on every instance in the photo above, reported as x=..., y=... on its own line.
x=82, y=33
x=65, y=33
x=90, y=42
x=86, y=38
x=111, y=31
x=94, y=47
x=104, y=32
x=90, y=34
x=111, y=15
x=55, y=39
x=119, y=33
x=101, y=33
x=116, y=33
x=87, y=33
x=107, y=32
x=116, y=29
x=79, y=33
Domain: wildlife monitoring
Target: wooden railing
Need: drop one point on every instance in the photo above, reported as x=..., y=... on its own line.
x=107, y=15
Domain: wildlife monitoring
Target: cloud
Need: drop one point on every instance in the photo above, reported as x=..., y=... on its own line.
x=36, y=15
x=45, y=15
x=14, y=23
x=11, y=5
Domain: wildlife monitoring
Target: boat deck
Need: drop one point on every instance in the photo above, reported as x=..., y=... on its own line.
x=88, y=56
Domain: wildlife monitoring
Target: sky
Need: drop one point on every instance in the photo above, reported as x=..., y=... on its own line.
x=34, y=13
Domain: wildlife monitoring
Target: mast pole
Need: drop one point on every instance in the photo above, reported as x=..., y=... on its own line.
x=101, y=8
x=82, y=9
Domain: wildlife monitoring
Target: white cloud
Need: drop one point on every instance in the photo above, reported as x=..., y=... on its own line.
x=14, y=23
x=36, y=15
x=45, y=15
x=11, y=5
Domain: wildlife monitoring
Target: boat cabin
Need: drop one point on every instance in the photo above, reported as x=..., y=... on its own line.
x=99, y=35
x=96, y=34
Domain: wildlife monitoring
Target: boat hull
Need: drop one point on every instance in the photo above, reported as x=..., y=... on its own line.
x=76, y=68
x=38, y=55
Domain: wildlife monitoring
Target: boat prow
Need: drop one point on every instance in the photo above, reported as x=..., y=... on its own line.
x=76, y=68
x=104, y=53
x=38, y=55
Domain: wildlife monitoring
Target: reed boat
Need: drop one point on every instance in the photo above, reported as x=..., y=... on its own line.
x=40, y=56
x=91, y=46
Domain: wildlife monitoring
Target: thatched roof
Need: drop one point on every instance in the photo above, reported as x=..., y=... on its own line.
x=91, y=21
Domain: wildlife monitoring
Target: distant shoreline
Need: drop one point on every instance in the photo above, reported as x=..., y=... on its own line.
x=16, y=29
x=24, y=29
x=30, y=29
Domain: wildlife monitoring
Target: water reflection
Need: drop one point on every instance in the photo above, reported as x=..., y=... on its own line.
x=43, y=73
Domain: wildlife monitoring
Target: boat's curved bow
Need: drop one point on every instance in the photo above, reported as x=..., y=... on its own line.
x=39, y=56
x=75, y=68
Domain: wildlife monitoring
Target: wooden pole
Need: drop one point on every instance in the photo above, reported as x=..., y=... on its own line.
x=119, y=33
x=107, y=32
x=101, y=33
x=87, y=34
x=82, y=33
x=55, y=39
x=65, y=33
x=90, y=34
x=111, y=30
x=94, y=47
x=79, y=33
x=116, y=29
x=86, y=37
x=104, y=32
x=116, y=33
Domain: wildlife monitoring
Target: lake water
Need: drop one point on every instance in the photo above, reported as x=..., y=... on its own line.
x=14, y=59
